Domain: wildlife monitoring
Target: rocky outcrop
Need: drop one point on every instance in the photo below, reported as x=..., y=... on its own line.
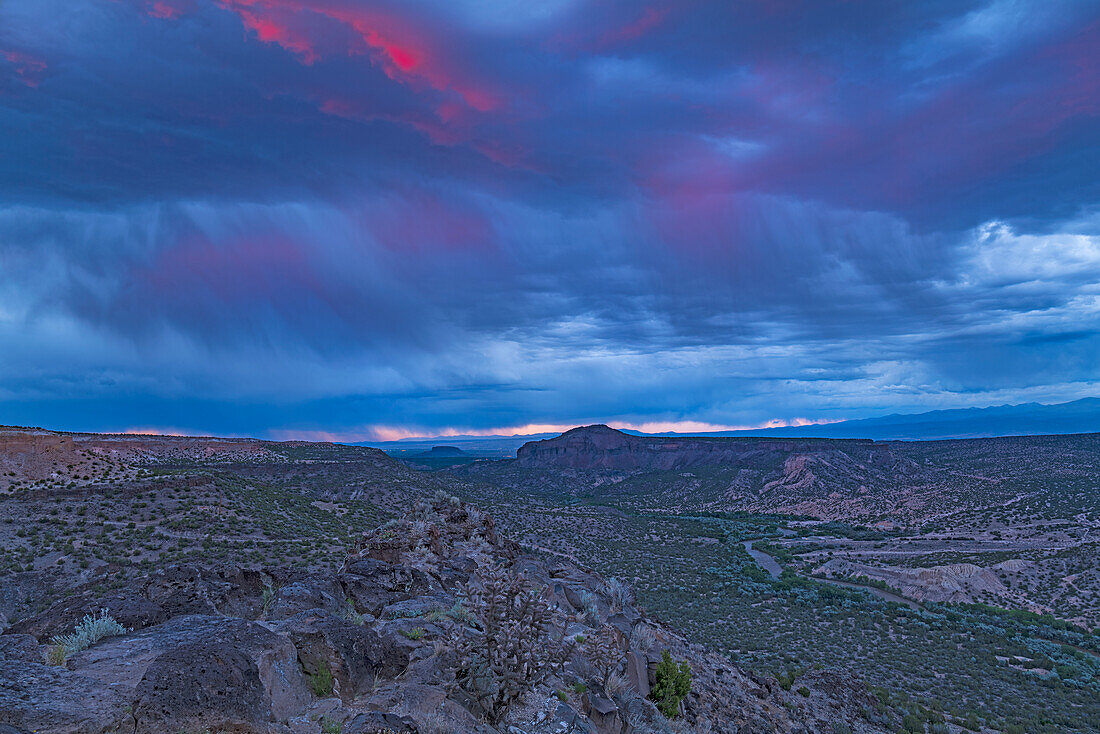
x=955, y=583
x=40, y=698
x=373, y=647
x=157, y=598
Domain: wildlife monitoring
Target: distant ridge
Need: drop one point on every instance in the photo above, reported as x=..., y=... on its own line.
x=1028, y=419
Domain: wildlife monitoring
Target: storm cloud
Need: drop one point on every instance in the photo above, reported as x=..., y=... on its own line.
x=288, y=217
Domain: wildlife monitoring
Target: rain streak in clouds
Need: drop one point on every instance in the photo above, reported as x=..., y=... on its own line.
x=357, y=219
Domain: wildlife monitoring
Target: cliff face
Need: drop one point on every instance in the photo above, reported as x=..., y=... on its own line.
x=600, y=447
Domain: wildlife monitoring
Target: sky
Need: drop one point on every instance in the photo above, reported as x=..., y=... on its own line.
x=355, y=220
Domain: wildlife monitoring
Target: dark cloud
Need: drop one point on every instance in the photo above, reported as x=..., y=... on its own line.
x=333, y=214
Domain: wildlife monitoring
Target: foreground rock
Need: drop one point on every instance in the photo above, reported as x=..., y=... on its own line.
x=378, y=646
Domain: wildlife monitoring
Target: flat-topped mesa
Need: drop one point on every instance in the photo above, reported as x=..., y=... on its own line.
x=602, y=447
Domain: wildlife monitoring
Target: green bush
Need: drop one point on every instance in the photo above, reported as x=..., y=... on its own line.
x=321, y=681
x=673, y=683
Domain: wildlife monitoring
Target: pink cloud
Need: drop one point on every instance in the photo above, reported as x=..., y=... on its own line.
x=159, y=431
x=648, y=20
x=397, y=433
x=28, y=68
x=613, y=30
x=164, y=10
x=423, y=220
x=242, y=270
x=408, y=52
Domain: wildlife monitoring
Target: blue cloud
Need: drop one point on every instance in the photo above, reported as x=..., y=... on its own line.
x=326, y=214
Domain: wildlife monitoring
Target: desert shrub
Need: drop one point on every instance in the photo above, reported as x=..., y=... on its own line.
x=268, y=597
x=349, y=613
x=515, y=648
x=643, y=637
x=616, y=684
x=320, y=682
x=591, y=608
x=88, y=632
x=56, y=655
x=673, y=682
x=621, y=593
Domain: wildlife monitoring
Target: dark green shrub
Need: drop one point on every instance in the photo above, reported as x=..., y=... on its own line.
x=673, y=683
x=321, y=681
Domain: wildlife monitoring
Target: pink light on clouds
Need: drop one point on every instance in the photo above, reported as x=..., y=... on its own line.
x=160, y=431
x=28, y=68
x=398, y=433
x=408, y=52
x=242, y=270
x=418, y=219
x=615, y=29
x=164, y=10
x=648, y=20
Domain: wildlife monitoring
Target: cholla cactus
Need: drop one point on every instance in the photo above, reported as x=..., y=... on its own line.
x=516, y=647
x=605, y=652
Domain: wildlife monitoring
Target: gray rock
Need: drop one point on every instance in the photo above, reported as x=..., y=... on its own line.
x=637, y=672
x=301, y=596
x=42, y=698
x=603, y=714
x=353, y=654
x=622, y=623
x=20, y=647
x=373, y=584
x=170, y=592
x=568, y=719
x=378, y=721
x=201, y=671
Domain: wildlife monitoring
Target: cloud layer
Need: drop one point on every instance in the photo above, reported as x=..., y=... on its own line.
x=280, y=216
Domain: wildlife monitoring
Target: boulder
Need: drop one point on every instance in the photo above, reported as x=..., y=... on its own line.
x=637, y=673
x=307, y=594
x=622, y=624
x=200, y=671
x=373, y=584
x=129, y=607
x=232, y=591
x=20, y=647
x=170, y=592
x=567, y=720
x=40, y=698
x=603, y=714
x=373, y=722
x=353, y=654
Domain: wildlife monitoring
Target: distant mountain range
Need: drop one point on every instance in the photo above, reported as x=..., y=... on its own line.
x=1079, y=416
x=1028, y=419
